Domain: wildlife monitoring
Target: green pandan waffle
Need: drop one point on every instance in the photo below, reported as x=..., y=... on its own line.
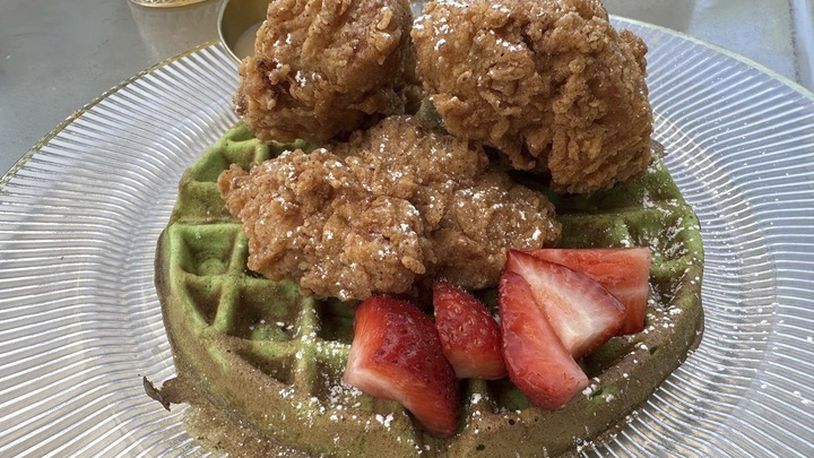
x=272, y=358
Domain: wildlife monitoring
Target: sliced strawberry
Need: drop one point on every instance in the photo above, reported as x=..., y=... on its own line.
x=396, y=354
x=583, y=313
x=470, y=337
x=624, y=272
x=536, y=360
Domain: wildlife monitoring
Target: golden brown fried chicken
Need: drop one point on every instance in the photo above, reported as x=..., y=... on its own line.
x=550, y=83
x=484, y=219
x=393, y=205
x=321, y=67
x=308, y=217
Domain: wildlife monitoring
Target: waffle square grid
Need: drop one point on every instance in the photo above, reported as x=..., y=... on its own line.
x=272, y=356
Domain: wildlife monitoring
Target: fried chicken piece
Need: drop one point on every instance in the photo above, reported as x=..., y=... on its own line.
x=322, y=67
x=393, y=205
x=308, y=217
x=401, y=158
x=550, y=83
x=483, y=220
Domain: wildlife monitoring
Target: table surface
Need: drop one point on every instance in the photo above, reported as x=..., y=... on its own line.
x=55, y=56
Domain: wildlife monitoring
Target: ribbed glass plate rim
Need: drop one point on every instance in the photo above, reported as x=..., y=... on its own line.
x=20, y=163
x=701, y=404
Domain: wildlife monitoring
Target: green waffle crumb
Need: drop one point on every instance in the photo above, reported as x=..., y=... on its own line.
x=273, y=358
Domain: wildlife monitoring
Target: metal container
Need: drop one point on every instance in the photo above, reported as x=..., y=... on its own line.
x=237, y=23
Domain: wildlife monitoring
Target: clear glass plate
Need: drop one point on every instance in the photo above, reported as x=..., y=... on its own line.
x=80, y=215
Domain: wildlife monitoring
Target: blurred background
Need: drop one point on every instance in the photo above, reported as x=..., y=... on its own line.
x=55, y=56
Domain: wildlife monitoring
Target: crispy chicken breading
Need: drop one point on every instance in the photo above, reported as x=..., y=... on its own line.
x=322, y=67
x=550, y=83
x=393, y=205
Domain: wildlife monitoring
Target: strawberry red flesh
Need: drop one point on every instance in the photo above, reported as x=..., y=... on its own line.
x=396, y=354
x=583, y=314
x=470, y=337
x=624, y=272
x=536, y=360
